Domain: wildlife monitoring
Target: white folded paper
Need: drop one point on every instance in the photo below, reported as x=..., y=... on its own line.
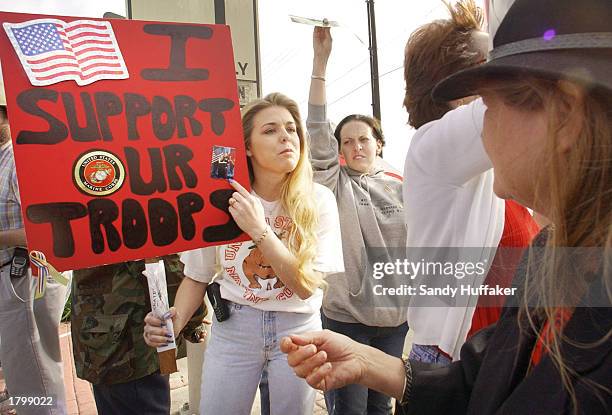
x=158, y=291
x=314, y=22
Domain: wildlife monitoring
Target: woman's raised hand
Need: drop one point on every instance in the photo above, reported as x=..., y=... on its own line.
x=321, y=45
x=327, y=360
x=247, y=211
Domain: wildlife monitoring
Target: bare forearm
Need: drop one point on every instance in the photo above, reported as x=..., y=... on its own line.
x=188, y=298
x=13, y=237
x=284, y=264
x=385, y=373
x=317, y=86
x=321, y=47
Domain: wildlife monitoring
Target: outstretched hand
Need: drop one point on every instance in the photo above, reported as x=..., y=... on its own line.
x=327, y=360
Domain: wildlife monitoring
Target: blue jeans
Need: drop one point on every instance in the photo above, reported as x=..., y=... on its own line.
x=357, y=399
x=429, y=354
x=239, y=350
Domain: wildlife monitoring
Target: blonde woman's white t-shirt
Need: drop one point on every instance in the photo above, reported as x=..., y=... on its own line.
x=248, y=279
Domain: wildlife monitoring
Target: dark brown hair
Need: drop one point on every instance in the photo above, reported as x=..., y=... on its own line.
x=372, y=122
x=437, y=50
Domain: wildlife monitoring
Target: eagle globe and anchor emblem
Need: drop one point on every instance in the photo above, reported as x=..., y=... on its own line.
x=98, y=173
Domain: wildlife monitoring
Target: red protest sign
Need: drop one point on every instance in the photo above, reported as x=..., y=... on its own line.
x=124, y=133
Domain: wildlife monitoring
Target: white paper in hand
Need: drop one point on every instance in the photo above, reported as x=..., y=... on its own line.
x=158, y=292
x=314, y=22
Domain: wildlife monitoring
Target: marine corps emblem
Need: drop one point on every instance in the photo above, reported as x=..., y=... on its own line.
x=98, y=173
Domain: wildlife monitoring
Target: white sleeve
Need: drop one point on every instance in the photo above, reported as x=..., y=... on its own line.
x=450, y=149
x=200, y=264
x=329, y=241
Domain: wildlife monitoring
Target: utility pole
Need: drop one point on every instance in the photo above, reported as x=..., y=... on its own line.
x=373, y=60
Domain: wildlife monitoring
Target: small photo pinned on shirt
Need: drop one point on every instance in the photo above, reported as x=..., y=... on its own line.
x=223, y=162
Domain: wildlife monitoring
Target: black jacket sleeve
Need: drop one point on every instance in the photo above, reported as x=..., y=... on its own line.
x=447, y=390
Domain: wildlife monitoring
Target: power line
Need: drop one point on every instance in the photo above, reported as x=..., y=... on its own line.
x=364, y=84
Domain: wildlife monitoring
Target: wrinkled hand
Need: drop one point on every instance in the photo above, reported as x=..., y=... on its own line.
x=156, y=333
x=321, y=43
x=327, y=360
x=247, y=211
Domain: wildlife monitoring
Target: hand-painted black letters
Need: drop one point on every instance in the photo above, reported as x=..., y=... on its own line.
x=59, y=216
x=102, y=213
x=90, y=132
x=179, y=34
x=28, y=102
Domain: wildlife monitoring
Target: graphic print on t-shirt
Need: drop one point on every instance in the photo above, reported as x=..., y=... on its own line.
x=259, y=273
x=246, y=266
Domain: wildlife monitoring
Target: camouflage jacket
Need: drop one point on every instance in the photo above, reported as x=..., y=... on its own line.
x=109, y=304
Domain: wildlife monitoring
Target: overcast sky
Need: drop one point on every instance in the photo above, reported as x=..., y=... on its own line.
x=286, y=52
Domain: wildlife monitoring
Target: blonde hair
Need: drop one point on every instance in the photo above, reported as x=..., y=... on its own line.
x=297, y=190
x=579, y=200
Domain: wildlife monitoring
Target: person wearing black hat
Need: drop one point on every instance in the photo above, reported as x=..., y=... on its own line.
x=548, y=132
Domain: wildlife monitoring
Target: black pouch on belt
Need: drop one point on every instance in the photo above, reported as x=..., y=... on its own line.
x=20, y=262
x=219, y=304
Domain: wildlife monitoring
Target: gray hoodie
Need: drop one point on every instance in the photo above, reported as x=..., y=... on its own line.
x=371, y=215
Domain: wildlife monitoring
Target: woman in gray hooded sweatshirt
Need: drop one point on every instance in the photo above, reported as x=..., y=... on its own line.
x=371, y=221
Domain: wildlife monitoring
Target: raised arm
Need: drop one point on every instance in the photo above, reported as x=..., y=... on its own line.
x=321, y=46
x=323, y=144
x=450, y=150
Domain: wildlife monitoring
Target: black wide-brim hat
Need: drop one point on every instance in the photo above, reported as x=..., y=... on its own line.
x=558, y=39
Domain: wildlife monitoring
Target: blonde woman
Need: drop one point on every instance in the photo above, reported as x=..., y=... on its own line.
x=272, y=283
x=548, y=132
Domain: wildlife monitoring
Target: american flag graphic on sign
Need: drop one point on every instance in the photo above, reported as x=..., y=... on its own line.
x=219, y=152
x=52, y=51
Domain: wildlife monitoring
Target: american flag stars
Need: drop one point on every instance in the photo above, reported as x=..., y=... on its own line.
x=38, y=38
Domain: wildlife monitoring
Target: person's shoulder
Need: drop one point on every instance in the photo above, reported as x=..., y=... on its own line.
x=470, y=114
